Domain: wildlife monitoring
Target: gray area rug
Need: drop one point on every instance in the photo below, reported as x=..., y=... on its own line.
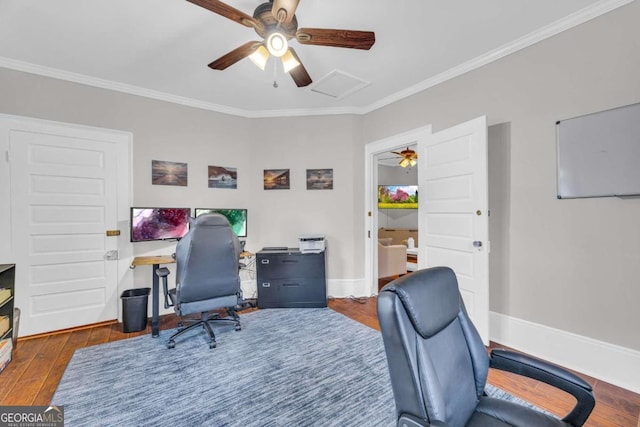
x=287, y=367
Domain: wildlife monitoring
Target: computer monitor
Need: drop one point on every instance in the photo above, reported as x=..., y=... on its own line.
x=237, y=218
x=148, y=224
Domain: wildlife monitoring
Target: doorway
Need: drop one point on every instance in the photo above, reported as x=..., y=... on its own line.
x=374, y=152
x=453, y=209
x=397, y=210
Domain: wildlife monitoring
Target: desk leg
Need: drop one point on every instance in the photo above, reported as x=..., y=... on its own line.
x=155, y=318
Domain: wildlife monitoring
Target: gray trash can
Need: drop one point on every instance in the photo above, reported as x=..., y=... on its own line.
x=134, y=309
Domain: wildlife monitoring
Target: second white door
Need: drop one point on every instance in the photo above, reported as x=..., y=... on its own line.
x=453, y=212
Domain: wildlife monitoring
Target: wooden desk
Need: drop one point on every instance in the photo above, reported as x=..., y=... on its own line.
x=155, y=261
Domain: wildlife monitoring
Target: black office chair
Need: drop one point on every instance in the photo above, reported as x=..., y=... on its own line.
x=207, y=276
x=439, y=366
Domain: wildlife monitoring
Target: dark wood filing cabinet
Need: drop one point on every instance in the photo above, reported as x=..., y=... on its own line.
x=289, y=278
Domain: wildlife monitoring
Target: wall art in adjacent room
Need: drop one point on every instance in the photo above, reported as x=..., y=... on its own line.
x=319, y=179
x=222, y=177
x=168, y=173
x=276, y=179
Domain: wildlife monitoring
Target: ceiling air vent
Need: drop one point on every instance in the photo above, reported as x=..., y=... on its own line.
x=338, y=84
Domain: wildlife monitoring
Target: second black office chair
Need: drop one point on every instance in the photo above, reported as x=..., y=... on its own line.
x=207, y=276
x=439, y=366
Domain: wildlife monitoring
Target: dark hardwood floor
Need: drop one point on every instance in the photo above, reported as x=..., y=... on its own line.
x=39, y=362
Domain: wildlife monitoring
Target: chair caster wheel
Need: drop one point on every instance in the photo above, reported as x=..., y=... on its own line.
x=212, y=344
x=238, y=328
x=171, y=344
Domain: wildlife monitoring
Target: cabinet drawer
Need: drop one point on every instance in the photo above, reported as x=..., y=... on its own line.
x=292, y=293
x=278, y=266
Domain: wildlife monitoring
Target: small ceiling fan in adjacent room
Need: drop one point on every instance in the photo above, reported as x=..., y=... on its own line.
x=275, y=21
x=407, y=157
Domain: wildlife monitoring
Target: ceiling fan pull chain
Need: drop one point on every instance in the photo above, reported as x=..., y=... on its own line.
x=275, y=70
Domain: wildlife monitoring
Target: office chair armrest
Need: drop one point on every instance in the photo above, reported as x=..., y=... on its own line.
x=162, y=273
x=553, y=375
x=407, y=420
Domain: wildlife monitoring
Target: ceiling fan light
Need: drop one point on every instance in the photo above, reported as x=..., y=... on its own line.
x=260, y=57
x=405, y=162
x=412, y=162
x=277, y=44
x=289, y=62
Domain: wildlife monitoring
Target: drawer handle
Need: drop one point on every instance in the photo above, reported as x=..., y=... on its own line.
x=290, y=285
x=264, y=261
x=266, y=285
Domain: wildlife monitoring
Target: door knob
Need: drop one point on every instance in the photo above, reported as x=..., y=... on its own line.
x=477, y=244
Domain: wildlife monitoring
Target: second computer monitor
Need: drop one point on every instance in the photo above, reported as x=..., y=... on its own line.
x=237, y=218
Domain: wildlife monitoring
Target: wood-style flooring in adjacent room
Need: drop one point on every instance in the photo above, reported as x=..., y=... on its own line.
x=38, y=364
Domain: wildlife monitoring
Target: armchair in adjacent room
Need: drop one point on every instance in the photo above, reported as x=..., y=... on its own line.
x=438, y=364
x=207, y=276
x=392, y=259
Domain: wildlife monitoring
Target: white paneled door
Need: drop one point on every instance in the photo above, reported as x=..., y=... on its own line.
x=453, y=216
x=63, y=200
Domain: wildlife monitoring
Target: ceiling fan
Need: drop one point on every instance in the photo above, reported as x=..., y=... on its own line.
x=408, y=157
x=275, y=21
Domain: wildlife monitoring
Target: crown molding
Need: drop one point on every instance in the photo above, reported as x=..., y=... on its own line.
x=304, y=112
x=115, y=86
x=577, y=18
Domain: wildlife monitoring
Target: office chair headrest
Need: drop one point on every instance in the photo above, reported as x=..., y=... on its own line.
x=209, y=220
x=430, y=297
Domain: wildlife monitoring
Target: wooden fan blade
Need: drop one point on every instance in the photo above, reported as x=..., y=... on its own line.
x=337, y=38
x=227, y=11
x=299, y=74
x=284, y=10
x=234, y=56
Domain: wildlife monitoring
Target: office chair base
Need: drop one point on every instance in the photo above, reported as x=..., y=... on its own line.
x=205, y=321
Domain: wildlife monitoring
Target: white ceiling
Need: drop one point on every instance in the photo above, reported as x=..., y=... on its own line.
x=161, y=48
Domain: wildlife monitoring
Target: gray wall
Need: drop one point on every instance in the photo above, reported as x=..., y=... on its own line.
x=164, y=131
x=567, y=264
x=574, y=264
x=499, y=148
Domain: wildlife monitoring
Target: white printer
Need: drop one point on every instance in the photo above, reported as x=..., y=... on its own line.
x=311, y=243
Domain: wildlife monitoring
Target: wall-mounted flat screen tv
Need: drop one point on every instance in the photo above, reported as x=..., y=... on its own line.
x=149, y=224
x=237, y=218
x=397, y=197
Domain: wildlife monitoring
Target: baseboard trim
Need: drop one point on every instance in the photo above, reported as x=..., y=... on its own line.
x=605, y=361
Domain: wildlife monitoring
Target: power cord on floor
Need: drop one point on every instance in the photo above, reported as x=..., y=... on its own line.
x=359, y=300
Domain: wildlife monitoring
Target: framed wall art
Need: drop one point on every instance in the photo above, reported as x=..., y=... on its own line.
x=276, y=179
x=168, y=173
x=319, y=179
x=222, y=177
